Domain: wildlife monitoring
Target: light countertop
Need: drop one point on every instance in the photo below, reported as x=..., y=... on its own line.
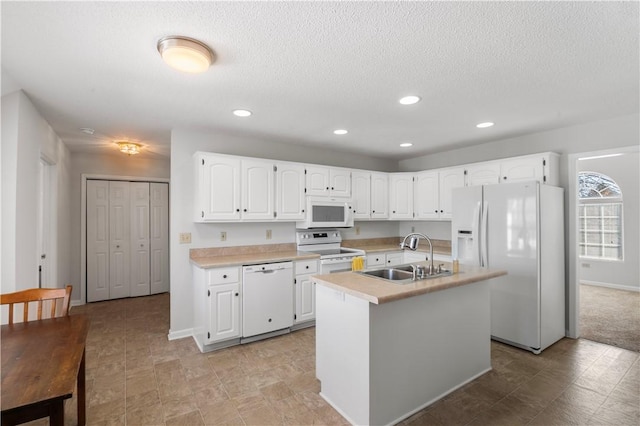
x=251, y=258
x=378, y=290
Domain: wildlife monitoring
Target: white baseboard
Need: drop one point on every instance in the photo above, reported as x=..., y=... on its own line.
x=609, y=285
x=181, y=334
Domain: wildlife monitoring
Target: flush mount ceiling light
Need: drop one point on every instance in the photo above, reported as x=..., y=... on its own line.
x=129, y=148
x=242, y=112
x=406, y=144
x=409, y=100
x=484, y=125
x=87, y=130
x=185, y=54
x=340, y=132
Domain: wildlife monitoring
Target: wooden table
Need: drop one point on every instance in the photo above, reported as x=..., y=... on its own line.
x=41, y=363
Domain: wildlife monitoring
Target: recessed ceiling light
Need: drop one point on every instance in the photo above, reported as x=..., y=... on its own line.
x=484, y=125
x=406, y=144
x=185, y=54
x=340, y=132
x=409, y=100
x=242, y=112
x=87, y=130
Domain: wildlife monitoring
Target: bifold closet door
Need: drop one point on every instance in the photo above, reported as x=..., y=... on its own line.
x=120, y=239
x=140, y=257
x=159, y=236
x=97, y=240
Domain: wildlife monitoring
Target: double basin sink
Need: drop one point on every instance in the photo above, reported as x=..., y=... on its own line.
x=403, y=274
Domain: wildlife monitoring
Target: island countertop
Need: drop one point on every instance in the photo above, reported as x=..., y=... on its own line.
x=378, y=290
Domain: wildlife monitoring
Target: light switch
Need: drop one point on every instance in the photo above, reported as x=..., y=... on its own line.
x=185, y=238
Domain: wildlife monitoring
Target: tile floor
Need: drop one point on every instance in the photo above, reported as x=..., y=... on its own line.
x=135, y=376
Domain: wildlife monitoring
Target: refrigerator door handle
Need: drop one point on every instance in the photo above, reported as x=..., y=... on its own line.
x=484, y=237
x=477, y=238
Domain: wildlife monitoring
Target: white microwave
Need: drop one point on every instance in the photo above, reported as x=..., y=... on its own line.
x=327, y=213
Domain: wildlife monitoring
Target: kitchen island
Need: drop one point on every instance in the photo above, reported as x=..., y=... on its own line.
x=385, y=351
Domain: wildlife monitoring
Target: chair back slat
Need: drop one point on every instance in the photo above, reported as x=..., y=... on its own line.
x=38, y=295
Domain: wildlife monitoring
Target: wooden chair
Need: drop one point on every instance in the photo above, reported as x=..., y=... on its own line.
x=24, y=297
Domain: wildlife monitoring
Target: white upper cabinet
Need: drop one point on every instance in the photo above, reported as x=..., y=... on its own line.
x=449, y=179
x=218, y=192
x=328, y=181
x=379, y=195
x=487, y=173
x=425, y=194
x=541, y=167
x=361, y=193
x=257, y=189
x=290, y=199
x=433, y=192
x=401, y=195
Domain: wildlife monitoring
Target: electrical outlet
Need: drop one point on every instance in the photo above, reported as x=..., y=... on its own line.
x=357, y=230
x=185, y=238
x=268, y=234
x=223, y=236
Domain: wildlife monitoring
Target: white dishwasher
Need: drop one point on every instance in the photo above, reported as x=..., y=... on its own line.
x=267, y=298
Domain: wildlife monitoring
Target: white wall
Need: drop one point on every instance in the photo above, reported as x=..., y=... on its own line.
x=111, y=164
x=184, y=144
x=625, y=170
x=26, y=137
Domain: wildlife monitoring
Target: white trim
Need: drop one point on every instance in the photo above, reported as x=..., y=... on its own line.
x=573, y=303
x=83, y=219
x=609, y=285
x=181, y=334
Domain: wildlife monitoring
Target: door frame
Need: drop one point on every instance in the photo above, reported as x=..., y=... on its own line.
x=83, y=219
x=573, y=291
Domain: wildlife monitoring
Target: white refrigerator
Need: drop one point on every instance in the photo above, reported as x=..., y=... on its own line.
x=517, y=227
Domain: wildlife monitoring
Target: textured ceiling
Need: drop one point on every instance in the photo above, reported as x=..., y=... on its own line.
x=307, y=68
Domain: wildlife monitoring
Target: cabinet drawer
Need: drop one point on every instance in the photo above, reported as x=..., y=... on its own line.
x=223, y=276
x=375, y=260
x=306, y=267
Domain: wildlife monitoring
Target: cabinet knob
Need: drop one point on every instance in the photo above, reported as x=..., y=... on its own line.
x=327, y=188
x=436, y=211
x=504, y=177
x=332, y=188
x=307, y=267
x=441, y=211
x=117, y=246
x=394, y=211
x=237, y=210
x=269, y=319
x=237, y=294
x=245, y=210
x=302, y=210
x=224, y=276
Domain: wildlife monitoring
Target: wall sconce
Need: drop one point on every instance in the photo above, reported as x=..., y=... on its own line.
x=129, y=148
x=185, y=54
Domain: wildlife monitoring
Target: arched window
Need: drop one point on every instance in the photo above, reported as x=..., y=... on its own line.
x=600, y=210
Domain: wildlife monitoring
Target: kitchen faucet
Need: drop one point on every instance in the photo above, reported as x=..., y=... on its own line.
x=413, y=245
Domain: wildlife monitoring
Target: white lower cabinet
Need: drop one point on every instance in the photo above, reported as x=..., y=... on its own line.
x=305, y=291
x=394, y=258
x=391, y=258
x=217, y=308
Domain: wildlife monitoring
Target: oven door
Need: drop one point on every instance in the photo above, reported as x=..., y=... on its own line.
x=331, y=266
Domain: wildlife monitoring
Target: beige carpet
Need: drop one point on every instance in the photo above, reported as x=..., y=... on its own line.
x=610, y=316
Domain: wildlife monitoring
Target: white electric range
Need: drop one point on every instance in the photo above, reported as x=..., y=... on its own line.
x=326, y=243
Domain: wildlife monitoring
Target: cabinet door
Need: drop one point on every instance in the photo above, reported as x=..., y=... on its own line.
x=140, y=254
x=449, y=179
x=317, y=180
x=401, y=195
x=257, y=190
x=483, y=174
x=379, y=196
x=159, y=237
x=224, y=312
x=119, y=238
x=340, y=182
x=426, y=195
x=305, y=298
x=219, y=191
x=290, y=192
x=522, y=169
x=361, y=191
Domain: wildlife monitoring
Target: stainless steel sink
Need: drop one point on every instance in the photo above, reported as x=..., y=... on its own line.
x=402, y=274
x=392, y=274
